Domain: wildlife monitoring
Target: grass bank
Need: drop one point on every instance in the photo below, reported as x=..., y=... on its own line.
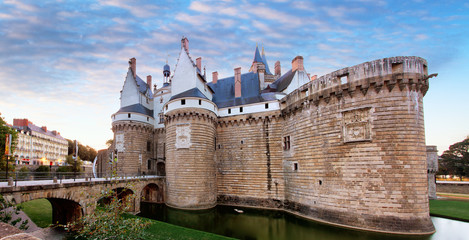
x=40, y=212
x=458, y=210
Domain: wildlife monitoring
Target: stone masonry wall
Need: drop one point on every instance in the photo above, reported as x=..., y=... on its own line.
x=356, y=154
x=249, y=160
x=131, y=140
x=190, y=164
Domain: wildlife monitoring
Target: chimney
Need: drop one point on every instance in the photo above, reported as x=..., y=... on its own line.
x=278, y=69
x=237, y=79
x=44, y=128
x=214, y=77
x=149, y=81
x=297, y=64
x=133, y=66
x=185, y=43
x=199, y=63
x=20, y=122
x=54, y=132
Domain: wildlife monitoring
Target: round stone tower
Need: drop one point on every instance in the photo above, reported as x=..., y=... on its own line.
x=190, y=145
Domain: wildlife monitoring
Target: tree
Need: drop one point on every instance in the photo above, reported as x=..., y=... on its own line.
x=74, y=166
x=455, y=160
x=5, y=129
x=108, y=221
x=109, y=142
x=84, y=152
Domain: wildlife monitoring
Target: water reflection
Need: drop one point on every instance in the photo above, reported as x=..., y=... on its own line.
x=269, y=224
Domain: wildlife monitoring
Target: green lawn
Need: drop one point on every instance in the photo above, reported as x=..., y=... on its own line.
x=458, y=210
x=40, y=212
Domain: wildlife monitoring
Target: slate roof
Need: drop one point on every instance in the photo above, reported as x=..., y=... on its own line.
x=224, y=95
x=282, y=83
x=136, y=108
x=33, y=128
x=194, y=92
x=264, y=60
x=143, y=87
x=257, y=56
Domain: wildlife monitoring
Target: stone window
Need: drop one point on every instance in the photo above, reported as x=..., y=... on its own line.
x=161, y=118
x=295, y=166
x=229, y=110
x=200, y=102
x=240, y=109
x=149, y=164
x=148, y=146
x=286, y=143
x=266, y=106
x=129, y=115
x=183, y=101
x=148, y=119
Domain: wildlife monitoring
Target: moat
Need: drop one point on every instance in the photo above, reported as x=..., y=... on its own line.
x=270, y=224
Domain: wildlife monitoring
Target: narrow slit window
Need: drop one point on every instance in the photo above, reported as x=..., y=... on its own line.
x=183, y=101
x=129, y=115
x=200, y=102
x=266, y=106
x=240, y=109
x=229, y=110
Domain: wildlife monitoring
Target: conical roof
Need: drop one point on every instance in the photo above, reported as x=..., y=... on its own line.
x=257, y=56
x=264, y=60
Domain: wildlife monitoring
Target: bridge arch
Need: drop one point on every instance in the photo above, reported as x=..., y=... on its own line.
x=152, y=193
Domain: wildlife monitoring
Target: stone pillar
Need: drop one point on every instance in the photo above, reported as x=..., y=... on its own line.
x=190, y=164
x=432, y=166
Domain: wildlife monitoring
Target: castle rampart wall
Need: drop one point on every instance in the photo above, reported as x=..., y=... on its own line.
x=249, y=160
x=355, y=152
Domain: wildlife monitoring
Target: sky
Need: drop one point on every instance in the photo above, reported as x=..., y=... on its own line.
x=63, y=63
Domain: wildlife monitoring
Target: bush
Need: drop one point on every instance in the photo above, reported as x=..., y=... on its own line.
x=63, y=169
x=23, y=172
x=42, y=171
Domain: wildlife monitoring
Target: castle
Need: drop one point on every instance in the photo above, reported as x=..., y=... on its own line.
x=347, y=148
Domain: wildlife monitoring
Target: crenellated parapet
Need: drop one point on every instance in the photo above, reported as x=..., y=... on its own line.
x=246, y=119
x=190, y=113
x=132, y=126
x=407, y=73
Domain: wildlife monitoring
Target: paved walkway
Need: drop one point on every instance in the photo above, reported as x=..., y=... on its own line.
x=65, y=181
x=453, y=182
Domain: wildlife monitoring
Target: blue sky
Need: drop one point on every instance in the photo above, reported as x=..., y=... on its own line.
x=63, y=63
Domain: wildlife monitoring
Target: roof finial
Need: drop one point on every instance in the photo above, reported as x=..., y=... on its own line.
x=256, y=44
x=263, y=49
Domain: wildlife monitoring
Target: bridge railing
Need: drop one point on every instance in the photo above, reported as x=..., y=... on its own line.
x=57, y=177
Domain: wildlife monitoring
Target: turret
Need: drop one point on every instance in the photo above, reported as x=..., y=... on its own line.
x=190, y=120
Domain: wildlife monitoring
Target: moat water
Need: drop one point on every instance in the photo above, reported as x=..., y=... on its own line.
x=271, y=224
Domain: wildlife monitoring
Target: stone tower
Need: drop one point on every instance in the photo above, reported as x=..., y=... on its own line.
x=133, y=125
x=190, y=118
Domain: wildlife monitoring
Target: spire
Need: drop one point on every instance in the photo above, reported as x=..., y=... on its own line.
x=264, y=60
x=257, y=56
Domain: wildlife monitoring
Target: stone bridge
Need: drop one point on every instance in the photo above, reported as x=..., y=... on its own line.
x=71, y=199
